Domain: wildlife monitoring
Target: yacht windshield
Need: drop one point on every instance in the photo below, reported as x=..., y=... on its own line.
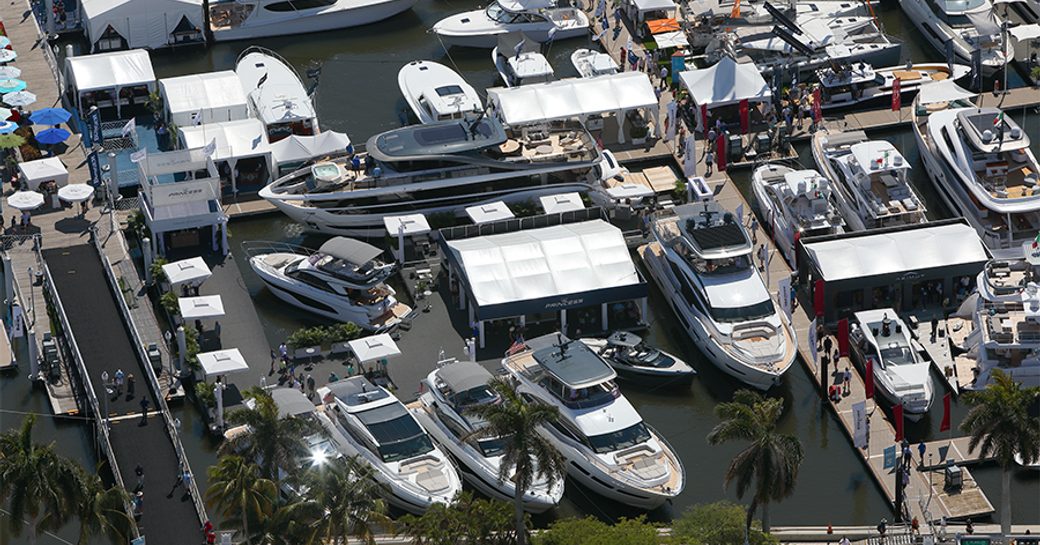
x=481, y=395
x=897, y=355
x=493, y=447
x=756, y=311
x=499, y=15
x=398, y=439
x=723, y=266
x=644, y=355
x=621, y=439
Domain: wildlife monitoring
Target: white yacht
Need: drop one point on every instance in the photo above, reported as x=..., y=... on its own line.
x=276, y=94
x=251, y=19
x=635, y=360
x=701, y=260
x=605, y=443
x=521, y=68
x=871, y=178
x=540, y=20
x=449, y=392
x=963, y=26
x=344, y=280
x=794, y=204
x=435, y=92
x=982, y=165
x=860, y=84
x=443, y=167
x=900, y=373
x=372, y=424
x=591, y=63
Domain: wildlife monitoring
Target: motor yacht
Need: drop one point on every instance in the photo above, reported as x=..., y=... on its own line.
x=981, y=163
x=700, y=257
x=708, y=17
x=372, y=424
x=794, y=204
x=450, y=391
x=276, y=94
x=871, y=179
x=860, y=84
x=524, y=67
x=955, y=28
x=540, y=20
x=344, y=280
x=591, y=63
x=605, y=443
x=900, y=373
x=634, y=359
x=443, y=167
x=435, y=92
x=251, y=19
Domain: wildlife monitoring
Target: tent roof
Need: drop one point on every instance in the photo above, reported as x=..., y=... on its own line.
x=303, y=148
x=374, y=348
x=351, y=250
x=143, y=23
x=563, y=202
x=1025, y=32
x=942, y=91
x=235, y=139
x=570, y=98
x=897, y=252
x=726, y=82
x=654, y=5
x=43, y=169
x=197, y=92
x=222, y=362
x=187, y=270
x=485, y=213
x=206, y=306
x=291, y=402
x=666, y=40
x=414, y=224
x=109, y=70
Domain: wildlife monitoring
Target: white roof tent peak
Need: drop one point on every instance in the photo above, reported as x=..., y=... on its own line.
x=222, y=362
x=408, y=225
x=725, y=82
x=187, y=271
x=563, y=202
x=234, y=139
x=142, y=23
x=205, y=306
x=942, y=91
x=296, y=148
x=44, y=170
x=374, y=348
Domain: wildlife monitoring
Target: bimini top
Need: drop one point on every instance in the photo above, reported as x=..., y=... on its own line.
x=461, y=376
x=880, y=153
x=436, y=139
x=991, y=131
x=710, y=228
x=352, y=251
x=291, y=402
x=574, y=364
x=356, y=391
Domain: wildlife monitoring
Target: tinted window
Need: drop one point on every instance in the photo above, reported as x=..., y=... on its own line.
x=298, y=5
x=449, y=90
x=740, y=314
x=621, y=439
x=439, y=135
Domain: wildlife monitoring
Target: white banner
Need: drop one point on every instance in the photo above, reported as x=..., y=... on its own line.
x=859, y=424
x=130, y=128
x=689, y=165
x=784, y=295
x=812, y=342
x=673, y=121
x=17, y=326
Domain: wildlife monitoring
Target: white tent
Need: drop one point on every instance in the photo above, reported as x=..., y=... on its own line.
x=149, y=24
x=295, y=150
x=564, y=202
x=725, y=83
x=222, y=362
x=576, y=98
x=213, y=97
x=666, y=40
x=206, y=306
x=942, y=91
x=50, y=169
x=486, y=213
x=187, y=271
x=374, y=348
x=109, y=72
x=1023, y=33
x=235, y=141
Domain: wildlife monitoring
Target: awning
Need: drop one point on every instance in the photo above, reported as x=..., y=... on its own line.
x=486, y=213
x=658, y=26
x=49, y=169
x=211, y=97
x=725, y=82
x=110, y=70
x=374, y=348
x=412, y=224
x=564, y=202
x=666, y=40
x=187, y=271
x=942, y=91
x=222, y=362
x=206, y=306
x=574, y=98
x=1025, y=32
x=291, y=402
x=463, y=375
x=350, y=250
x=295, y=149
x=234, y=139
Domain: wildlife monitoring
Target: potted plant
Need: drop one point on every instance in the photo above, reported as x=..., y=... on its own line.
x=639, y=133
x=680, y=190
x=1034, y=74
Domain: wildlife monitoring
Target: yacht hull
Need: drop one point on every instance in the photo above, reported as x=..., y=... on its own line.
x=927, y=23
x=475, y=29
x=294, y=23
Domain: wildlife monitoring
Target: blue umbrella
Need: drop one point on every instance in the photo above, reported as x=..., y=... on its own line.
x=50, y=116
x=53, y=136
x=12, y=85
x=8, y=127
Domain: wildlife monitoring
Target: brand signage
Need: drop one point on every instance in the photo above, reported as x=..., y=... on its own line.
x=94, y=163
x=94, y=127
x=183, y=192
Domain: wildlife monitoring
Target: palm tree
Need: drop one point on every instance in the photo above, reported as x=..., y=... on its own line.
x=273, y=441
x=347, y=493
x=102, y=511
x=999, y=425
x=527, y=454
x=292, y=523
x=770, y=461
x=241, y=494
x=36, y=482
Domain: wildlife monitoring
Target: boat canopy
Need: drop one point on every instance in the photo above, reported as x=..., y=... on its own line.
x=436, y=139
x=574, y=364
x=350, y=250
x=942, y=91
x=463, y=375
x=291, y=402
x=878, y=152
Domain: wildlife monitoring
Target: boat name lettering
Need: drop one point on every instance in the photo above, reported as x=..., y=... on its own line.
x=912, y=275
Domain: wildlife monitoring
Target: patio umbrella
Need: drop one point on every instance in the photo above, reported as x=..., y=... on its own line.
x=8, y=127
x=75, y=192
x=5, y=114
x=12, y=85
x=53, y=136
x=7, y=55
x=50, y=116
x=5, y=41
x=25, y=200
x=10, y=141
x=7, y=72
x=20, y=98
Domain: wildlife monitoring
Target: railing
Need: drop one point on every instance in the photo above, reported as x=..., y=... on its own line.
x=48, y=54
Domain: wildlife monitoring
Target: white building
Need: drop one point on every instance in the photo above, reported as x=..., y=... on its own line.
x=186, y=213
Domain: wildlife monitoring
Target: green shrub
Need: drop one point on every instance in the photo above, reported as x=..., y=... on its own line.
x=168, y=301
x=590, y=531
x=469, y=520
x=204, y=393
x=719, y=523
x=158, y=274
x=680, y=190
x=323, y=335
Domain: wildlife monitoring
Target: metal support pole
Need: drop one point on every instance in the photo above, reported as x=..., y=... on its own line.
x=146, y=251
x=182, y=347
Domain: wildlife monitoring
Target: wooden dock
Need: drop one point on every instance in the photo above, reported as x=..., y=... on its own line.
x=939, y=452
x=937, y=348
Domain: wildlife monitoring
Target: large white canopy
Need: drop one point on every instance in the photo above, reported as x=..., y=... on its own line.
x=206, y=306
x=213, y=96
x=572, y=98
x=374, y=348
x=942, y=91
x=187, y=271
x=235, y=139
x=1025, y=32
x=295, y=149
x=726, y=82
x=644, y=6
x=142, y=23
x=222, y=362
x=49, y=169
x=546, y=262
x=486, y=213
x=110, y=70
x=897, y=252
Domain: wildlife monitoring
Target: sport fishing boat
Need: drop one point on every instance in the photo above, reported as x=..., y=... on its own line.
x=700, y=257
x=276, y=94
x=903, y=377
x=370, y=423
x=605, y=443
x=344, y=280
x=591, y=63
x=443, y=167
x=871, y=177
x=795, y=204
x=522, y=68
x=955, y=28
x=540, y=20
x=435, y=92
x=633, y=359
x=860, y=84
x=450, y=391
x=251, y=19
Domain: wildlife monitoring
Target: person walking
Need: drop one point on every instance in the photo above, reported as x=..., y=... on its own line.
x=664, y=78
x=139, y=471
x=827, y=345
x=709, y=161
x=130, y=386
x=848, y=381
x=274, y=358
x=144, y=410
x=119, y=381
x=310, y=383
x=921, y=449
x=763, y=257
x=754, y=228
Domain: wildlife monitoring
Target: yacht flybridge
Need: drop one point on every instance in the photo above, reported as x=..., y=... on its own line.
x=701, y=260
x=276, y=94
x=591, y=63
x=902, y=375
x=860, y=84
x=961, y=26
x=250, y=19
x=605, y=443
x=519, y=62
x=795, y=203
x=540, y=20
x=435, y=92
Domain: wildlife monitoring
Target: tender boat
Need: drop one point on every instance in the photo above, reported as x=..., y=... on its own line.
x=522, y=68
x=902, y=376
x=871, y=177
x=955, y=28
x=344, y=280
x=541, y=20
x=251, y=19
x=633, y=359
x=605, y=443
x=860, y=84
x=452, y=389
x=276, y=94
x=435, y=92
x=372, y=424
x=590, y=63
x=700, y=257
x=795, y=204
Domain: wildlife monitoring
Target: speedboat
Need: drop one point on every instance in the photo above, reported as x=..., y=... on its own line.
x=860, y=84
x=590, y=63
x=605, y=443
x=276, y=94
x=871, y=177
x=344, y=280
x=981, y=162
x=541, y=20
x=700, y=257
x=633, y=359
x=443, y=410
x=251, y=19
x=955, y=28
x=435, y=92
x=795, y=204
x=370, y=423
x=902, y=376
x=523, y=67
